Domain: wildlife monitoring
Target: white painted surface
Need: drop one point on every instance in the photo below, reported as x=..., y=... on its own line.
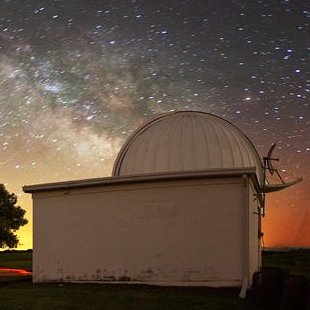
x=181, y=232
x=185, y=141
x=255, y=250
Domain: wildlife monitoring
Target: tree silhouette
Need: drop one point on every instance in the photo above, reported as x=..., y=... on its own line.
x=11, y=219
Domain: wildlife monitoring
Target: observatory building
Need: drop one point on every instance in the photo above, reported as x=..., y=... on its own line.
x=183, y=207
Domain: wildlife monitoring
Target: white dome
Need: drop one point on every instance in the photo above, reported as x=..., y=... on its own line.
x=186, y=141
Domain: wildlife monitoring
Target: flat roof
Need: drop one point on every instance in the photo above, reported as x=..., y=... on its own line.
x=106, y=181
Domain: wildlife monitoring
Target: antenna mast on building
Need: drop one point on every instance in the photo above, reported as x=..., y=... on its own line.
x=268, y=168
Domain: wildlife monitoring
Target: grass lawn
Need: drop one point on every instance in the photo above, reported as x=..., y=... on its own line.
x=20, y=293
x=16, y=259
x=24, y=295
x=295, y=261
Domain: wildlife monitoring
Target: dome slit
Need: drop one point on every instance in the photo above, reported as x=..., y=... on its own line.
x=219, y=145
x=171, y=162
x=182, y=157
x=227, y=136
x=196, y=145
x=204, y=133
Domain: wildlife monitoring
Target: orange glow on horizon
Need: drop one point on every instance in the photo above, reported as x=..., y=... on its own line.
x=13, y=272
x=287, y=220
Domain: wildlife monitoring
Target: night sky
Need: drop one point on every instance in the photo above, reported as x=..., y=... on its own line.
x=77, y=77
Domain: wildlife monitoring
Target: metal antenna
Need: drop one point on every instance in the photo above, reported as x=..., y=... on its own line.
x=268, y=166
x=268, y=160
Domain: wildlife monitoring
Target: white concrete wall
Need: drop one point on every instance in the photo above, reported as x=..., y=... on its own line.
x=185, y=232
x=254, y=241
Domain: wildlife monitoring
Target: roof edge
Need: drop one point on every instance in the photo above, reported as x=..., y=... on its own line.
x=197, y=174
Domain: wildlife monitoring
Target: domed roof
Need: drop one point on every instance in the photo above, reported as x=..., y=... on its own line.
x=186, y=141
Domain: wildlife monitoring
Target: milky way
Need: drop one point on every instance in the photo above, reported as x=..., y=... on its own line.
x=77, y=77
